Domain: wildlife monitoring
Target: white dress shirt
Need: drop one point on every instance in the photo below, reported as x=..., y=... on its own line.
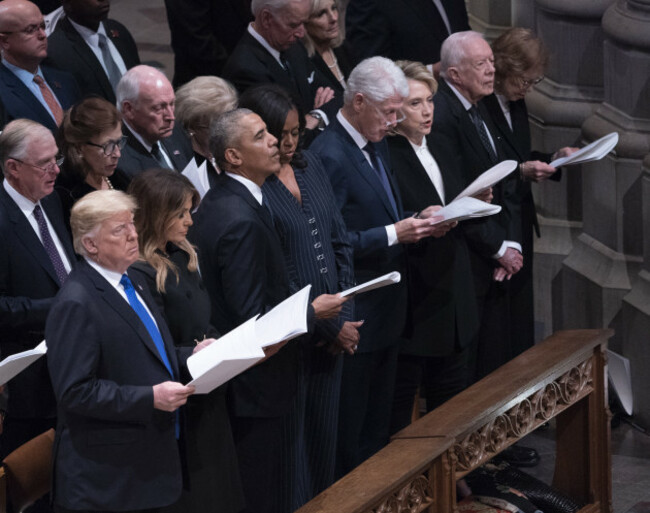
x=27, y=206
x=361, y=141
x=252, y=187
x=27, y=78
x=430, y=166
x=92, y=40
x=148, y=146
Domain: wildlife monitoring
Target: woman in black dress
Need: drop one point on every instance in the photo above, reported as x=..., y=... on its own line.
x=317, y=251
x=90, y=139
x=170, y=266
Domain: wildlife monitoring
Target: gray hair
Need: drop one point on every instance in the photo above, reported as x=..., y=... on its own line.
x=16, y=137
x=88, y=214
x=378, y=78
x=454, y=49
x=224, y=133
x=128, y=88
x=203, y=99
x=273, y=5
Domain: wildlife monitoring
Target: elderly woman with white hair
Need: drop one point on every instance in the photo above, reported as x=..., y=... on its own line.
x=115, y=373
x=198, y=103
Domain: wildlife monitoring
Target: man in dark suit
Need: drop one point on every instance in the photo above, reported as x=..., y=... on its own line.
x=146, y=99
x=27, y=89
x=354, y=155
x=403, y=29
x=243, y=268
x=95, y=50
x=463, y=123
x=36, y=256
x=270, y=51
x=115, y=373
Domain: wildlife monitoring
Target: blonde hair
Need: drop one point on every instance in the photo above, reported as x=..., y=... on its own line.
x=317, y=5
x=88, y=214
x=161, y=196
x=418, y=71
x=203, y=99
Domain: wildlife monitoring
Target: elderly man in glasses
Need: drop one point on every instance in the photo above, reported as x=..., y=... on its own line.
x=355, y=156
x=27, y=89
x=36, y=256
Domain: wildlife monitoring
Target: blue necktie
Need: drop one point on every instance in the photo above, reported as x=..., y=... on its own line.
x=146, y=320
x=379, y=168
x=155, y=335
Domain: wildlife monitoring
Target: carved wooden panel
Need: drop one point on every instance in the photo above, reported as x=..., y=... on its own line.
x=482, y=444
x=413, y=497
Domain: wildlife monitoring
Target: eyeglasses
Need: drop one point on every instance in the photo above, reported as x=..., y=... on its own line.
x=109, y=147
x=525, y=83
x=398, y=114
x=29, y=30
x=52, y=167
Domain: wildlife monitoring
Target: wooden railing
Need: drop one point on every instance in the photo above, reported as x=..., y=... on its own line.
x=563, y=378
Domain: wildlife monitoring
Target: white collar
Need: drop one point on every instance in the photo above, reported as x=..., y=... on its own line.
x=274, y=53
x=90, y=36
x=418, y=147
x=252, y=187
x=358, y=139
x=112, y=277
x=24, y=204
x=466, y=103
x=139, y=138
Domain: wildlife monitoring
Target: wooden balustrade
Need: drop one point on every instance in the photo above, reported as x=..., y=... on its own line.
x=564, y=377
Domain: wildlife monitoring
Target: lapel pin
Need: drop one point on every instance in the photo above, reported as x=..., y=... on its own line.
x=57, y=85
x=114, y=33
x=177, y=152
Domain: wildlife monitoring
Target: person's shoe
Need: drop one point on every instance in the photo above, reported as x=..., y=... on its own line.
x=520, y=456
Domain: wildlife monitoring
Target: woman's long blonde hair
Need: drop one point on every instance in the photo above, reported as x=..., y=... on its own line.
x=161, y=195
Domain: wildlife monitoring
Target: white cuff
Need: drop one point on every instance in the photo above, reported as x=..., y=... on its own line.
x=391, y=234
x=507, y=244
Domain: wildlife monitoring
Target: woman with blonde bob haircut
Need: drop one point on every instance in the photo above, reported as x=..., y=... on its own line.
x=169, y=265
x=435, y=356
x=198, y=103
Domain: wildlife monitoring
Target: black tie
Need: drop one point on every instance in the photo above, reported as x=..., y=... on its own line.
x=50, y=246
x=477, y=119
x=285, y=65
x=158, y=156
x=379, y=168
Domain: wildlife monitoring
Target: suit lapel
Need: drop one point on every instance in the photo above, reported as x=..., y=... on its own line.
x=411, y=166
x=86, y=55
x=428, y=13
x=240, y=190
x=116, y=302
x=26, y=234
x=55, y=216
x=363, y=168
x=20, y=95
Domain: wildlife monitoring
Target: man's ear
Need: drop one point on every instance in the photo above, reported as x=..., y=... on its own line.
x=89, y=245
x=264, y=19
x=127, y=109
x=358, y=102
x=233, y=157
x=454, y=74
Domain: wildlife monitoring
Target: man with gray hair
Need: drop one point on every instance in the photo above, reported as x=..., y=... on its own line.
x=36, y=256
x=146, y=100
x=464, y=125
x=271, y=52
x=243, y=268
x=354, y=155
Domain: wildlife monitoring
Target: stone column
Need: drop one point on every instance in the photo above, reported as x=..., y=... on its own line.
x=626, y=193
x=558, y=107
x=490, y=18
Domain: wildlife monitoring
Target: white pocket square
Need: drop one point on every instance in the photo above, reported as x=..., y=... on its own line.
x=310, y=78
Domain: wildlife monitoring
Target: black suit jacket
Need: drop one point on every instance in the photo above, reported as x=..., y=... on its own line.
x=453, y=127
x=517, y=146
x=366, y=211
x=68, y=51
x=243, y=268
x=443, y=312
x=251, y=64
x=402, y=29
x=135, y=157
x=112, y=450
x=346, y=64
x=28, y=284
x=21, y=103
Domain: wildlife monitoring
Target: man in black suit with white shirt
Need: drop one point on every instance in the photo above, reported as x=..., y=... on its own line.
x=36, y=256
x=243, y=268
x=97, y=51
x=146, y=100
